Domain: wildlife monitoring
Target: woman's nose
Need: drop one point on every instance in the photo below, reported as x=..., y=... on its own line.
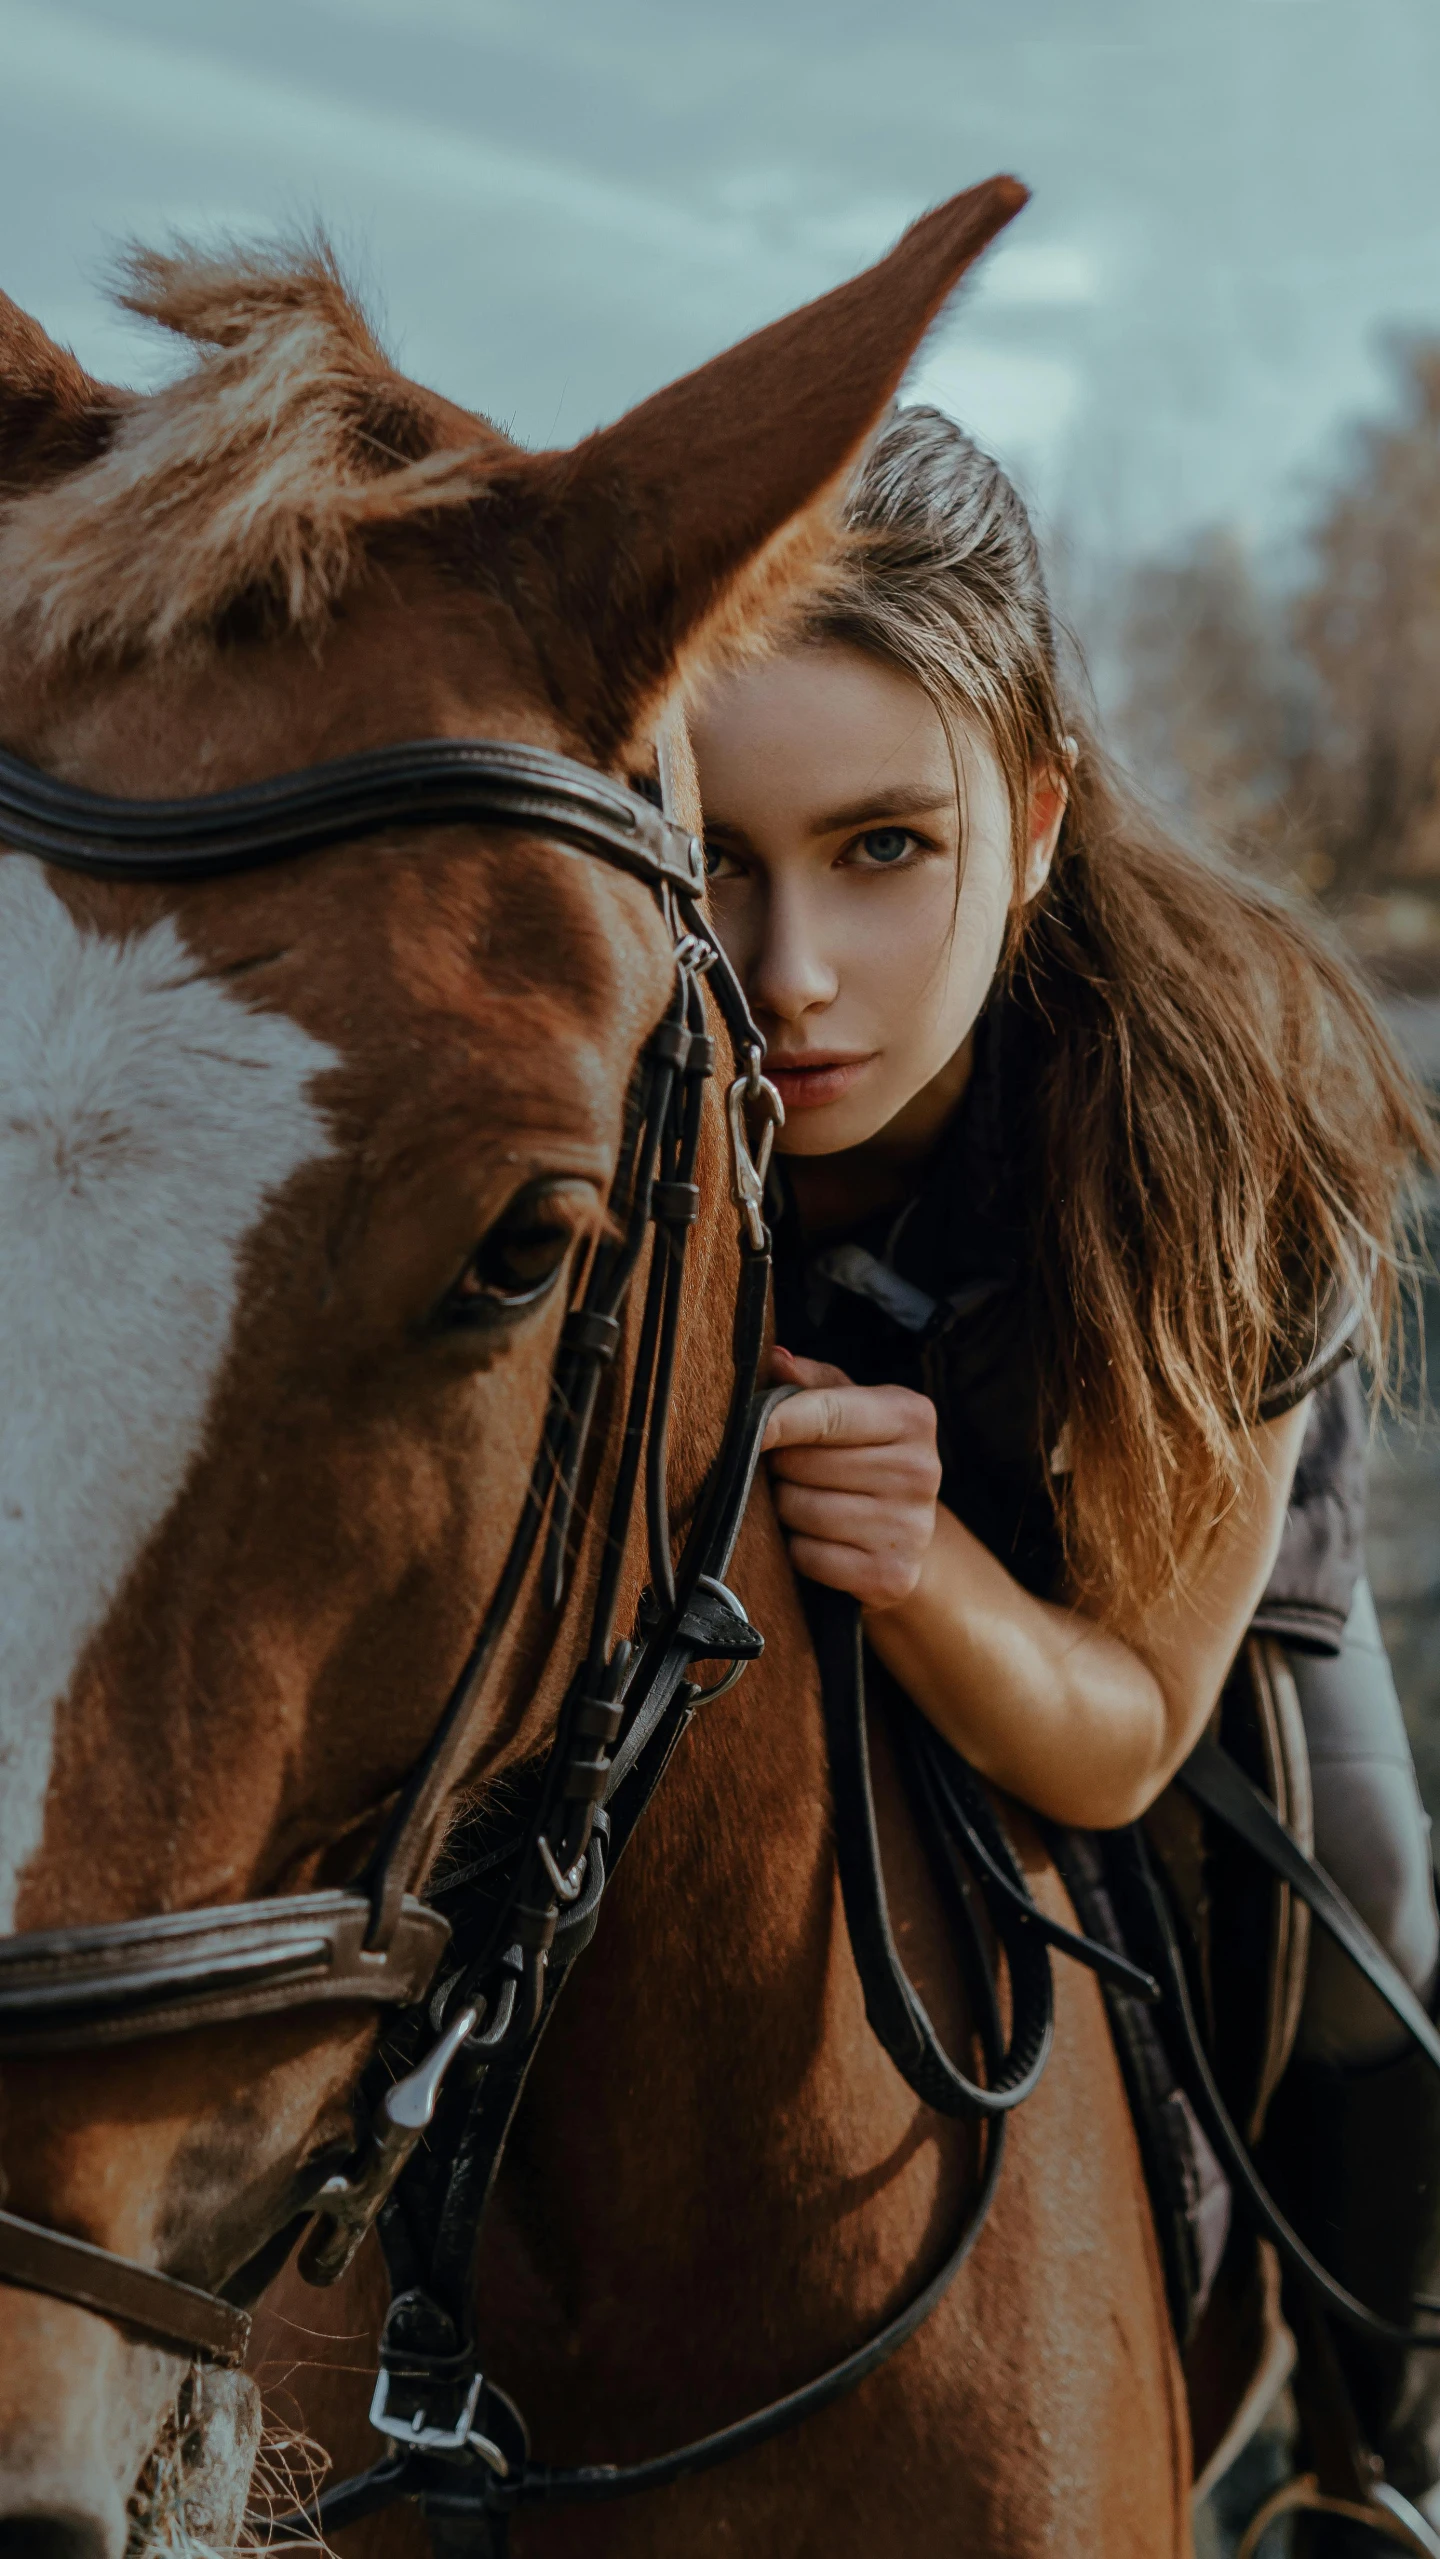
x=791, y=975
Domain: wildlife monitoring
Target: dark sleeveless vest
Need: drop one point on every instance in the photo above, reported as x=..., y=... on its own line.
x=938, y=1298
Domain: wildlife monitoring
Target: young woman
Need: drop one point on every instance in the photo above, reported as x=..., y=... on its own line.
x=1091, y=1181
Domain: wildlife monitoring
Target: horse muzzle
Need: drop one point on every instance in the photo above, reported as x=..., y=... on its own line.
x=81, y=2409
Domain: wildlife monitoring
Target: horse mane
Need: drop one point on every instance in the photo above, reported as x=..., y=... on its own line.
x=245, y=485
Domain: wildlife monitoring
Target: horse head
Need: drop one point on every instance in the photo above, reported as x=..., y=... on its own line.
x=296, y=1167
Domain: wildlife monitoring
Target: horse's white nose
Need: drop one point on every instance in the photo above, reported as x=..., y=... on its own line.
x=80, y=2408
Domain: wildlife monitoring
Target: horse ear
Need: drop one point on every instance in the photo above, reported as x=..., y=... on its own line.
x=706, y=507
x=53, y=416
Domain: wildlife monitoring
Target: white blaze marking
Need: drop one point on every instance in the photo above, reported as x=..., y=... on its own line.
x=146, y=1116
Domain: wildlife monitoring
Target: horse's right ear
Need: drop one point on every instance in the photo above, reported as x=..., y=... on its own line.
x=713, y=500
x=53, y=417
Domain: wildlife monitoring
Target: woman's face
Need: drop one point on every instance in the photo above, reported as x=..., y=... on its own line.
x=834, y=840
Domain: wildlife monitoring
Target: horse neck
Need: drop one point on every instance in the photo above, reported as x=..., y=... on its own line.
x=703, y=2041
x=709, y=2068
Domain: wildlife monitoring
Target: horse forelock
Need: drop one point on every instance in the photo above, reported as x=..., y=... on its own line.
x=147, y=1116
x=253, y=478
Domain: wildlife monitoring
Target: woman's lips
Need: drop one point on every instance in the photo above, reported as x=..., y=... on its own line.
x=805, y=1084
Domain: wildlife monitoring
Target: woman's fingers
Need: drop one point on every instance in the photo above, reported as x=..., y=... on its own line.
x=896, y=1470
x=818, y=1414
x=877, y=1581
x=787, y=1368
x=855, y=1519
x=855, y=1474
x=852, y=1519
x=884, y=1543
x=846, y=1416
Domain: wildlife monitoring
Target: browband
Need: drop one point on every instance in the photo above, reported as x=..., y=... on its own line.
x=437, y=782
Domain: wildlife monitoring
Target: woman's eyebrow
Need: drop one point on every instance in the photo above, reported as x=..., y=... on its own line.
x=901, y=799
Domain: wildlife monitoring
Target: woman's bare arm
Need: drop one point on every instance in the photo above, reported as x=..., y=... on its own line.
x=1083, y=1722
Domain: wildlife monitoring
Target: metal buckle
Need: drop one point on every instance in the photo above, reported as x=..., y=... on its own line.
x=418, y=2437
x=740, y=1644
x=692, y=952
x=748, y=1171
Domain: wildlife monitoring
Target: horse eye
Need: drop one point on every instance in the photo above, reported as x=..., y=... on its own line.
x=514, y=1266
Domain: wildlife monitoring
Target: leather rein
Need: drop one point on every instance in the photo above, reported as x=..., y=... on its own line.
x=466, y=1978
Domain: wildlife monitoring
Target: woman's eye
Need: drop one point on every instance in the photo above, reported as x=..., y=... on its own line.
x=513, y=1266
x=720, y=864
x=885, y=844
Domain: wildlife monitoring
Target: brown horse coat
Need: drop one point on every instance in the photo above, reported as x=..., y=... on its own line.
x=333, y=1078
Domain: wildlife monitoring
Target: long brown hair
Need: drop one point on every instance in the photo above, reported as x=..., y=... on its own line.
x=1226, y=1137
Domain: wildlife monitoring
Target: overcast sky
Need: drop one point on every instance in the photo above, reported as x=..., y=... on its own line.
x=555, y=205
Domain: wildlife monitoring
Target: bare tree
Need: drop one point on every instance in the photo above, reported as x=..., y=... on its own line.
x=1369, y=626
x=1215, y=719
x=1304, y=732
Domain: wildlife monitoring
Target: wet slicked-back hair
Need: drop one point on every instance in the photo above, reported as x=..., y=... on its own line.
x=1225, y=1131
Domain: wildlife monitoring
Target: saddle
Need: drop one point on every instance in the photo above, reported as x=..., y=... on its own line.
x=1228, y=1848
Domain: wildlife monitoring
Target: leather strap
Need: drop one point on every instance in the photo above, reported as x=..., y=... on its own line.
x=436, y=782
x=1217, y=1782
x=893, y=2005
x=1213, y=1779
x=452, y=2487
x=155, y=2306
x=68, y=1988
x=441, y=2488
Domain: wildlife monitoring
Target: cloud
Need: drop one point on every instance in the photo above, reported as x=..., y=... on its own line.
x=565, y=206
x=1039, y=275
x=1019, y=406
x=175, y=93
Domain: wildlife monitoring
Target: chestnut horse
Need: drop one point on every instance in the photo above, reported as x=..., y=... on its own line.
x=262, y=1137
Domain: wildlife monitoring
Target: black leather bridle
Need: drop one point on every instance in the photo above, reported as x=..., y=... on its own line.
x=376, y=1944
x=467, y=1978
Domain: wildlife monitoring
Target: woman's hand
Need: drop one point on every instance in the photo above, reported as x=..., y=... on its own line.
x=856, y=1476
